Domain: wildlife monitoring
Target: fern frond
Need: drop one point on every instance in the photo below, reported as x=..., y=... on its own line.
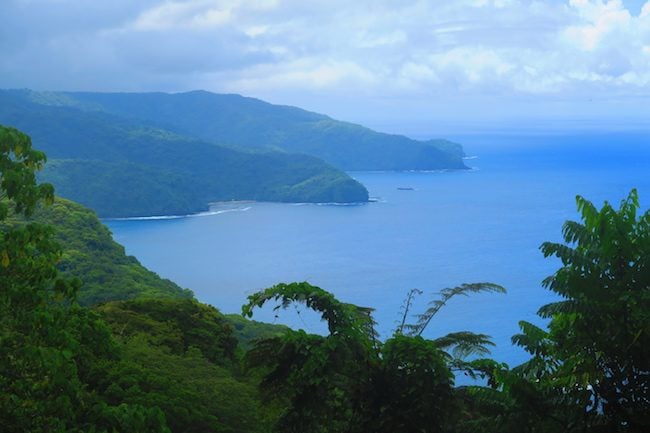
x=532, y=330
x=445, y=295
x=464, y=344
x=406, y=307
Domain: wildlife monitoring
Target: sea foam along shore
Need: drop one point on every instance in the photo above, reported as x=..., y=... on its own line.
x=215, y=209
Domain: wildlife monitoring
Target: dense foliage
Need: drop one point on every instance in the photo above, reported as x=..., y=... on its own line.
x=49, y=349
x=595, y=356
x=158, y=366
x=90, y=254
x=348, y=381
x=122, y=166
x=175, y=365
x=180, y=356
x=247, y=331
x=590, y=371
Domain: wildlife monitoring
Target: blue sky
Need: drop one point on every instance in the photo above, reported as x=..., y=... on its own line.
x=414, y=67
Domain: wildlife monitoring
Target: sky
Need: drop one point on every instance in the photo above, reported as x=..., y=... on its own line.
x=412, y=67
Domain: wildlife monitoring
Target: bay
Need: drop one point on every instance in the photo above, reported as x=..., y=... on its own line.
x=426, y=230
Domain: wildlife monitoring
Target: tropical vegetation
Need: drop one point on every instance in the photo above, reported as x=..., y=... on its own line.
x=157, y=360
x=124, y=167
x=254, y=124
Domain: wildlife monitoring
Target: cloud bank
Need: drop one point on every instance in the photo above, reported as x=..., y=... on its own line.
x=372, y=61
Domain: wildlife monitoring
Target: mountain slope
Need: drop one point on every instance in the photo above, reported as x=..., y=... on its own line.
x=124, y=167
x=252, y=123
x=91, y=254
x=110, y=276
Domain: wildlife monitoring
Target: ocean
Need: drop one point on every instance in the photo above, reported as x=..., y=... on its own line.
x=425, y=230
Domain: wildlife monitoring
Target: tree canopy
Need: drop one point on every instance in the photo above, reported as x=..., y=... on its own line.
x=590, y=369
x=597, y=347
x=348, y=380
x=48, y=346
x=172, y=364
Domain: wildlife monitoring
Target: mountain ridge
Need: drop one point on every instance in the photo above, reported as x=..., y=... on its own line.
x=253, y=123
x=152, y=154
x=116, y=165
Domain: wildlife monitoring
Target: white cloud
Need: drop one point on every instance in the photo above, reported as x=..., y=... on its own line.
x=474, y=63
x=598, y=20
x=378, y=40
x=307, y=73
x=254, y=31
x=192, y=14
x=645, y=10
x=368, y=49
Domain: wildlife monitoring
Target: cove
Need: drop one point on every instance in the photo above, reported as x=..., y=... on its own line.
x=426, y=230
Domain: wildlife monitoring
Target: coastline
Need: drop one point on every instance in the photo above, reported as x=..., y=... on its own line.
x=221, y=207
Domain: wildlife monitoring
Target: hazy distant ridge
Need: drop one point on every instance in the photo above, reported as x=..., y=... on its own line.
x=252, y=123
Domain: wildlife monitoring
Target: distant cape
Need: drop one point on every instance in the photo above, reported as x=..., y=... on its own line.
x=150, y=154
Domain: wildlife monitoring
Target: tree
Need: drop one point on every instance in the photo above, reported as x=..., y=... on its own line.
x=456, y=346
x=18, y=163
x=595, y=356
x=49, y=347
x=179, y=355
x=321, y=381
x=348, y=381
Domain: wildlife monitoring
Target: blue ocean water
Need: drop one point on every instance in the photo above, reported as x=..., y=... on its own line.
x=441, y=229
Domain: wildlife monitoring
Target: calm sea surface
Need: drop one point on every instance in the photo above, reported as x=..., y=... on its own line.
x=453, y=227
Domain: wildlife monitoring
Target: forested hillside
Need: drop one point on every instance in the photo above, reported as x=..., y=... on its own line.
x=106, y=273
x=90, y=254
x=175, y=365
x=251, y=123
x=158, y=363
x=122, y=167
